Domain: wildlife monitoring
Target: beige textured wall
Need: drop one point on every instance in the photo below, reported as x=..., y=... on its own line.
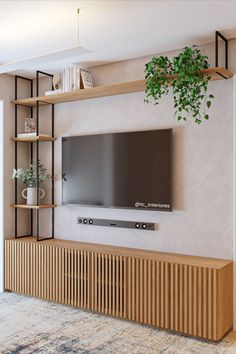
x=201, y=222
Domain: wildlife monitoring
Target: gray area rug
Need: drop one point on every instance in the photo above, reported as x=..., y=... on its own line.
x=30, y=325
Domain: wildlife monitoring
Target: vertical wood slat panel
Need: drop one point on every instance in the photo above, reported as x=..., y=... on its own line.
x=204, y=281
x=102, y=284
x=89, y=281
x=125, y=286
x=214, y=317
x=81, y=278
x=141, y=289
x=129, y=288
x=195, y=297
x=137, y=291
x=59, y=275
x=63, y=275
x=157, y=282
x=172, y=296
x=121, y=287
x=200, y=301
x=145, y=279
x=177, y=307
x=179, y=297
x=99, y=282
x=133, y=317
x=162, y=294
x=96, y=282
x=167, y=296
x=47, y=263
x=13, y=266
x=110, y=283
x=149, y=297
x=85, y=280
x=73, y=276
x=153, y=300
x=190, y=301
x=113, y=285
x=106, y=284
x=6, y=269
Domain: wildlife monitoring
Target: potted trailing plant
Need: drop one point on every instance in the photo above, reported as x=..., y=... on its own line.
x=190, y=84
x=28, y=176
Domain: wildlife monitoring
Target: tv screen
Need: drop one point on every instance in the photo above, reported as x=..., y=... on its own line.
x=121, y=170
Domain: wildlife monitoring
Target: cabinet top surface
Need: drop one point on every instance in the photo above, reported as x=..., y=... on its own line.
x=129, y=252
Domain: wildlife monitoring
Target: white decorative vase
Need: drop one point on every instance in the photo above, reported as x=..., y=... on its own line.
x=31, y=195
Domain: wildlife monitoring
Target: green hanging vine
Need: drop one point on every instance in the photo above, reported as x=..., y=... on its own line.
x=189, y=83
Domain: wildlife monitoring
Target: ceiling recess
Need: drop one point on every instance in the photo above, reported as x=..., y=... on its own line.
x=51, y=57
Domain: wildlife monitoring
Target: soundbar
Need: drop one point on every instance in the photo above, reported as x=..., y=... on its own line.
x=139, y=225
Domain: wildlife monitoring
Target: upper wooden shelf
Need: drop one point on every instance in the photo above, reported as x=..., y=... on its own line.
x=108, y=90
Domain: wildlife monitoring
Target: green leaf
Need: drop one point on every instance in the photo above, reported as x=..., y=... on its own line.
x=189, y=86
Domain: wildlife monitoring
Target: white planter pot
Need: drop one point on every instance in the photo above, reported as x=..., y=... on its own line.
x=30, y=194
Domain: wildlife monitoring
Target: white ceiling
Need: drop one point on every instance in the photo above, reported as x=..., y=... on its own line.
x=112, y=30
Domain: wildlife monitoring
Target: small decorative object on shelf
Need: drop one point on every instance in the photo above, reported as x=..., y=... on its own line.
x=54, y=92
x=32, y=135
x=185, y=73
x=86, y=79
x=57, y=82
x=30, y=194
x=30, y=129
x=30, y=125
x=28, y=177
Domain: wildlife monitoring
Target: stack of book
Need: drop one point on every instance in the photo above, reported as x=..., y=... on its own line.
x=70, y=79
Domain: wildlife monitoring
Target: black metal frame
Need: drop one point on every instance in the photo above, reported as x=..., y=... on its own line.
x=17, y=77
x=217, y=36
x=38, y=73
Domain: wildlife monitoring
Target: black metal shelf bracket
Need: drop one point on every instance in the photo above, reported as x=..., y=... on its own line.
x=30, y=81
x=38, y=73
x=217, y=36
x=37, y=154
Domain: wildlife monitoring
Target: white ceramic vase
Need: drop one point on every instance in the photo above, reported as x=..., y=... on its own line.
x=30, y=194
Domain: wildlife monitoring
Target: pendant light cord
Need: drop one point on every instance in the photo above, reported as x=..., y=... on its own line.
x=78, y=11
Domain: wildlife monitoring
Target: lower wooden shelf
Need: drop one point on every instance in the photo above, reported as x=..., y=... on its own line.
x=26, y=206
x=34, y=138
x=187, y=294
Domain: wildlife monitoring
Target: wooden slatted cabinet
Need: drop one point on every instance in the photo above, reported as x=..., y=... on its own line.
x=191, y=295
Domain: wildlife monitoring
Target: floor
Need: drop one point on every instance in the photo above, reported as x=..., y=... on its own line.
x=29, y=325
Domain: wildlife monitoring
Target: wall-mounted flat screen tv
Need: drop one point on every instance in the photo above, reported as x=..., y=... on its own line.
x=120, y=170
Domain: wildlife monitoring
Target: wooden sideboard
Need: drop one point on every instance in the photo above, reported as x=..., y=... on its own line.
x=191, y=295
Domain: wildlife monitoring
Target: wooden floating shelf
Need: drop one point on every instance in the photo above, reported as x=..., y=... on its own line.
x=41, y=206
x=34, y=139
x=109, y=90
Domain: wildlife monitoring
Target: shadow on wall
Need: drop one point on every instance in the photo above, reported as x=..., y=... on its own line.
x=178, y=168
